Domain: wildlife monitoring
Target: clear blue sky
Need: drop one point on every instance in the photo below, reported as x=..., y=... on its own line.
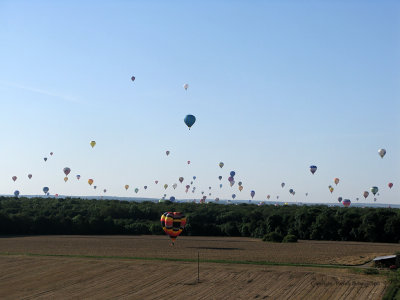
x=276, y=86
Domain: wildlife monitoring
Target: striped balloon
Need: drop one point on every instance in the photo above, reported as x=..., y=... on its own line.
x=173, y=223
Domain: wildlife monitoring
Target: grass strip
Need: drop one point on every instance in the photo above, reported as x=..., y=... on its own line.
x=217, y=261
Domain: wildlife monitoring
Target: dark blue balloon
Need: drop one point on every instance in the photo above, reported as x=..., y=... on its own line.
x=232, y=173
x=172, y=199
x=189, y=120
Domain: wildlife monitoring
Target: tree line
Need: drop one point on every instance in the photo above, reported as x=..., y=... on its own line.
x=23, y=216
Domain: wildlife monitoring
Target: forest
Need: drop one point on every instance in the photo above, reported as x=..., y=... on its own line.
x=41, y=216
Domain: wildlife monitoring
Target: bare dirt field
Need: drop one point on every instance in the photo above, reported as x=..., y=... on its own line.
x=25, y=276
x=228, y=248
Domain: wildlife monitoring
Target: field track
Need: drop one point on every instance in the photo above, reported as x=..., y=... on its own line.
x=24, y=276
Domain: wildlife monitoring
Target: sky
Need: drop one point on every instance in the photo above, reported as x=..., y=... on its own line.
x=276, y=86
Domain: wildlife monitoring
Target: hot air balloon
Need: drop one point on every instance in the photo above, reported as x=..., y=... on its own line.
x=189, y=120
x=188, y=162
x=78, y=177
x=51, y=153
x=240, y=183
x=173, y=223
x=156, y=181
x=185, y=86
x=180, y=179
x=357, y=198
x=191, y=182
x=30, y=176
x=346, y=202
x=93, y=143
x=331, y=189
x=126, y=186
x=221, y=164
x=390, y=185
x=268, y=196
x=136, y=190
x=95, y=187
x=145, y=187
x=336, y=180
x=45, y=158
x=230, y=178
x=374, y=190
x=240, y=188
x=216, y=199
x=165, y=186
x=187, y=186
x=56, y=195
x=14, y=178
x=382, y=152
x=65, y=178
x=233, y=196
x=194, y=177
x=232, y=183
x=282, y=184
x=172, y=199
x=66, y=171
x=16, y=193
x=313, y=169
x=306, y=194
x=167, y=152
x=366, y=194
x=104, y=190
x=339, y=199
x=219, y=177
x=45, y=189
x=232, y=173
x=220, y=186
x=133, y=78
x=174, y=185
x=252, y=193
x=90, y=181
x=293, y=193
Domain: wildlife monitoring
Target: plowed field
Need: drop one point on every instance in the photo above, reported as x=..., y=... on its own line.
x=118, y=275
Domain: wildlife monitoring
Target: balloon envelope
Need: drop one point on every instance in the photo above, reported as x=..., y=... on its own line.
x=29, y=176
x=185, y=86
x=173, y=223
x=126, y=186
x=221, y=164
x=232, y=173
x=374, y=190
x=189, y=120
x=66, y=171
x=313, y=169
x=390, y=185
x=16, y=193
x=14, y=178
x=133, y=78
x=382, y=152
x=346, y=202
x=45, y=189
x=252, y=193
x=90, y=181
x=93, y=143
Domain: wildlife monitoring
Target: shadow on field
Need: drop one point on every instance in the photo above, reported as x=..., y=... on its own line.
x=214, y=248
